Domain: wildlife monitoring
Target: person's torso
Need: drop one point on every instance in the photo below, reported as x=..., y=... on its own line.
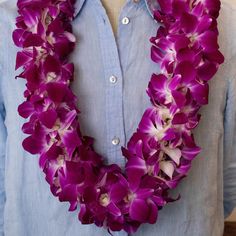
x=110, y=110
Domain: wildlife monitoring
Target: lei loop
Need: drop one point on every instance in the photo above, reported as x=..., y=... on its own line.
x=159, y=153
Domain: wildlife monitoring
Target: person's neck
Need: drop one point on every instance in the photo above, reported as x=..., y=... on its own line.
x=113, y=8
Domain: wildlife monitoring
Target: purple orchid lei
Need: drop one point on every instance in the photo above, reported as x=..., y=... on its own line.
x=159, y=153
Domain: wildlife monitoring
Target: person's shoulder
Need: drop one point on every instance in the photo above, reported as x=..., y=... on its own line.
x=227, y=28
x=227, y=15
x=8, y=5
x=8, y=13
x=227, y=35
x=229, y=3
x=8, y=10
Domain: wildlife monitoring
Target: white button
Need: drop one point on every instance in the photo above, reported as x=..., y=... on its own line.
x=113, y=79
x=125, y=21
x=115, y=141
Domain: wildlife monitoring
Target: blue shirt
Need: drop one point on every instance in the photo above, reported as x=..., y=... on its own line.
x=111, y=76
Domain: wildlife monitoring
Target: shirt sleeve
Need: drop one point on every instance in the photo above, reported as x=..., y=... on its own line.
x=3, y=135
x=230, y=145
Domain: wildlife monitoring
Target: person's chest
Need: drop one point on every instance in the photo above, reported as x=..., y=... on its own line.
x=112, y=74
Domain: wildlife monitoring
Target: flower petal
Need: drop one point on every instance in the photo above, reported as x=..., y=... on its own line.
x=153, y=212
x=167, y=167
x=48, y=118
x=135, y=169
x=139, y=210
x=26, y=109
x=207, y=71
x=71, y=140
x=186, y=70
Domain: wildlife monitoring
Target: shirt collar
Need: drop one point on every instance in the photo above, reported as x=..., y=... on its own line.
x=150, y=4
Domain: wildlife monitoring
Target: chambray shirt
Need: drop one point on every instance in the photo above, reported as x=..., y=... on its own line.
x=111, y=75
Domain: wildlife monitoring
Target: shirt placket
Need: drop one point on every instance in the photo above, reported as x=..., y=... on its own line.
x=114, y=117
x=114, y=82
